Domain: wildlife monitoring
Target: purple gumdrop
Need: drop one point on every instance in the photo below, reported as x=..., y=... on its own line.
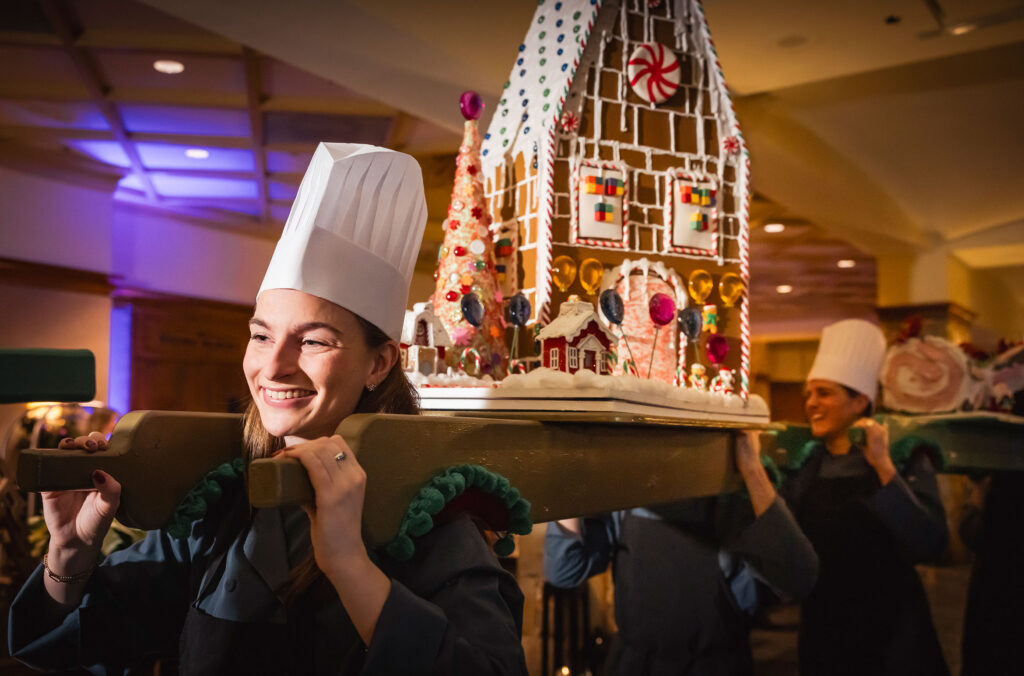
x=472, y=309
x=691, y=322
x=662, y=309
x=519, y=310
x=611, y=306
x=718, y=348
x=471, y=105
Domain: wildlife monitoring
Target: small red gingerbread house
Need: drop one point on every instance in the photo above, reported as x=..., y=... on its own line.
x=576, y=340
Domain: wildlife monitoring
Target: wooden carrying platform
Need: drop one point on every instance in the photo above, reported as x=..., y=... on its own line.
x=567, y=464
x=564, y=467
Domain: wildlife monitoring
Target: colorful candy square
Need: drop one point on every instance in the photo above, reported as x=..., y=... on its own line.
x=614, y=187
x=604, y=212
x=593, y=185
x=699, y=221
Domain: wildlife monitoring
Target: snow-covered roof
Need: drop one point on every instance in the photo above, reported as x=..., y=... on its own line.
x=545, y=65
x=573, y=317
x=424, y=311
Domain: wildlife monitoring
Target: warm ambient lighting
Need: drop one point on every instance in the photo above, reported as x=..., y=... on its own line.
x=962, y=29
x=168, y=66
x=783, y=288
x=846, y=263
x=197, y=153
x=774, y=227
x=564, y=671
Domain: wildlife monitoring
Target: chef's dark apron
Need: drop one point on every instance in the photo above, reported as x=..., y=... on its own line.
x=675, y=612
x=868, y=614
x=314, y=639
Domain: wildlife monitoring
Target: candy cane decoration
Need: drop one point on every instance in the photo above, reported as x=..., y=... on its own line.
x=477, y=362
x=653, y=72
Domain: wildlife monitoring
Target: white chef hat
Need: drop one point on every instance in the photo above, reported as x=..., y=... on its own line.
x=850, y=353
x=354, y=232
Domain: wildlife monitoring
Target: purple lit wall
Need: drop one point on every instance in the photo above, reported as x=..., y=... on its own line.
x=119, y=383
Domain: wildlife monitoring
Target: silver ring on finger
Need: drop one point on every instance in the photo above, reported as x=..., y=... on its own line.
x=341, y=456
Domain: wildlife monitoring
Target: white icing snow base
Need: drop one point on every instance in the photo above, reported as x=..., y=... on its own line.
x=544, y=390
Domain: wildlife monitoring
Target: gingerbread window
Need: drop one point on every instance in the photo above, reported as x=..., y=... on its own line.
x=692, y=214
x=600, y=205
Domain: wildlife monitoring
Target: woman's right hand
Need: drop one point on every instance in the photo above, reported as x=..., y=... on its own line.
x=78, y=522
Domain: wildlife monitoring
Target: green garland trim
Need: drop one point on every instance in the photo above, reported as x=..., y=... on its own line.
x=901, y=451
x=205, y=493
x=442, y=489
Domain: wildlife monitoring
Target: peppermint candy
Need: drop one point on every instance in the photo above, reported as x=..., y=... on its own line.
x=653, y=72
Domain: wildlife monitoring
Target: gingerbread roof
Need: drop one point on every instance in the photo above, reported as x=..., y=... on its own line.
x=573, y=317
x=545, y=65
x=547, y=62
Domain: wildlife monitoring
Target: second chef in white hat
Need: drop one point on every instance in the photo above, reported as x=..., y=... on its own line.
x=869, y=517
x=289, y=590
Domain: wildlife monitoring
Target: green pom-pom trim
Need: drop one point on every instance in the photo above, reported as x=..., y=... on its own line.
x=505, y=546
x=446, y=486
x=794, y=461
x=900, y=451
x=205, y=493
x=773, y=471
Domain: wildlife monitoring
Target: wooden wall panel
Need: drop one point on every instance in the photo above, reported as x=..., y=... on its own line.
x=187, y=355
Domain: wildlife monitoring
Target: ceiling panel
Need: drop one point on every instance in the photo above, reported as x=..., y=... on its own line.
x=185, y=120
x=172, y=156
x=202, y=74
x=108, y=152
x=71, y=115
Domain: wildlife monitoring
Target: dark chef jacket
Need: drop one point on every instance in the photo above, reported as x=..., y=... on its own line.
x=680, y=601
x=210, y=599
x=868, y=613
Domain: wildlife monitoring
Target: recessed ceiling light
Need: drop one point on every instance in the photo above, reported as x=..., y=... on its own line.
x=168, y=66
x=783, y=288
x=962, y=29
x=846, y=263
x=197, y=153
x=774, y=227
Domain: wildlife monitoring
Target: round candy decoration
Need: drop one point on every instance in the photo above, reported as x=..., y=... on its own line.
x=662, y=309
x=471, y=105
x=476, y=247
x=591, y=273
x=653, y=72
x=701, y=285
x=718, y=348
x=731, y=288
x=519, y=310
x=691, y=322
x=472, y=309
x=611, y=306
x=563, y=272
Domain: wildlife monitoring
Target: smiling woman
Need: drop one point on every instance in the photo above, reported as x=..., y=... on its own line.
x=285, y=590
x=868, y=520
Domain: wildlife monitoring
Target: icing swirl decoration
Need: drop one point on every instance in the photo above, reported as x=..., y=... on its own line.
x=925, y=375
x=654, y=72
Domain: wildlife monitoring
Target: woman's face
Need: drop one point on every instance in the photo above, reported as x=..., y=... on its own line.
x=830, y=408
x=306, y=363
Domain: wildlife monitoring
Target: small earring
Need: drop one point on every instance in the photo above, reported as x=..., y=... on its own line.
x=370, y=387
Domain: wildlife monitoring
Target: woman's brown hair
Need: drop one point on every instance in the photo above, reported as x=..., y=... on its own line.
x=394, y=394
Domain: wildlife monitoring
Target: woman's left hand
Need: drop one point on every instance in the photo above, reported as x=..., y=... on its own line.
x=876, y=448
x=335, y=517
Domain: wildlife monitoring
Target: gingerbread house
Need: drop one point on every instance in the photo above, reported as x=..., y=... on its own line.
x=576, y=340
x=424, y=340
x=615, y=139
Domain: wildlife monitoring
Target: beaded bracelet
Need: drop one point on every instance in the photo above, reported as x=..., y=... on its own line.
x=66, y=579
